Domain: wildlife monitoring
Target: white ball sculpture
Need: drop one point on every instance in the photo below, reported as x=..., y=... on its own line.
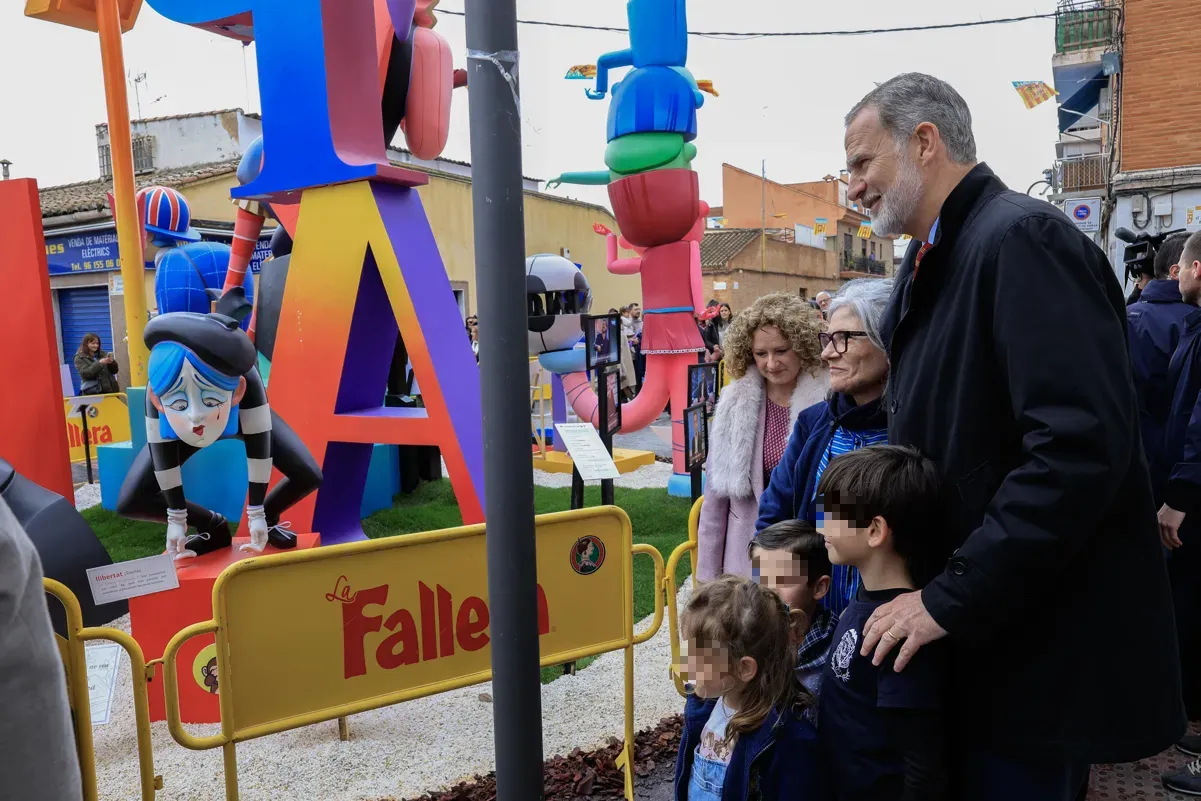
x=557, y=294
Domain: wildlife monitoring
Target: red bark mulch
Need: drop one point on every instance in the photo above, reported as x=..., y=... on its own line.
x=582, y=775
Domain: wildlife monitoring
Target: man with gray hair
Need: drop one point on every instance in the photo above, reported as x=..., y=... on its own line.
x=1025, y=401
x=823, y=299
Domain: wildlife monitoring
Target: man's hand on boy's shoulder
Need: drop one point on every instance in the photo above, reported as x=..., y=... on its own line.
x=903, y=621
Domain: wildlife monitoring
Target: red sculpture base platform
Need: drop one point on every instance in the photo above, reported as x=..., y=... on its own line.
x=159, y=617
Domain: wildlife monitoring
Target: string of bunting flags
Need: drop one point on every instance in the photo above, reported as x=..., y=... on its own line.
x=586, y=72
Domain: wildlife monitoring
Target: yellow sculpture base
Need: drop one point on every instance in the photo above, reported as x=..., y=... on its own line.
x=627, y=461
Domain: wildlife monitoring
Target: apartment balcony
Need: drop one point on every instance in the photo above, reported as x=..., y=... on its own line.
x=1080, y=174
x=1085, y=25
x=850, y=263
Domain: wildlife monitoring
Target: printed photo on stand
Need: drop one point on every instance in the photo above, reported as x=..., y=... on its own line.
x=602, y=335
x=610, y=382
x=703, y=386
x=696, y=437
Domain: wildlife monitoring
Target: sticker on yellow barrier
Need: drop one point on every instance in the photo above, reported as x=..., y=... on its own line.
x=108, y=422
x=311, y=632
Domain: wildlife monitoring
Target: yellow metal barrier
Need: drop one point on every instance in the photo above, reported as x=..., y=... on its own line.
x=660, y=586
x=694, y=524
x=572, y=552
x=673, y=563
x=75, y=662
x=323, y=602
x=108, y=422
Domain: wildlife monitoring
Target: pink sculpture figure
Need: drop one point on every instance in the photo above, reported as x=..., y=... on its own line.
x=672, y=295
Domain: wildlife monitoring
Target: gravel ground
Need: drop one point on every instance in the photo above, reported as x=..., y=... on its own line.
x=652, y=475
x=400, y=751
x=87, y=496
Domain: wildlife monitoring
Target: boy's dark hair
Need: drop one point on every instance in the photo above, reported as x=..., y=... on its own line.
x=898, y=484
x=799, y=538
x=1169, y=253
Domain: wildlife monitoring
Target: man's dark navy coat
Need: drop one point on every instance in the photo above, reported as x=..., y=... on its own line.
x=1010, y=370
x=1154, y=332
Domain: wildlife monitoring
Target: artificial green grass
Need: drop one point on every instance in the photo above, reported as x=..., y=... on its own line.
x=126, y=539
x=656, y=518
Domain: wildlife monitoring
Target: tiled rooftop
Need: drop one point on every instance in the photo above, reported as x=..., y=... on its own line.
x=721, y=245
x=91, y=195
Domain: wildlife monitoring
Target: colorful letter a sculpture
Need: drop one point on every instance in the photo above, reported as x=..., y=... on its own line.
x=364, y=267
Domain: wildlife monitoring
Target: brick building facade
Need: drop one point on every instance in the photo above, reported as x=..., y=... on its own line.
x=736, y=271
x=751, y=201
x=1156, y=176
x=1157, y=89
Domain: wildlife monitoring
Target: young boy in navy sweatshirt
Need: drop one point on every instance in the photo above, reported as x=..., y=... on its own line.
x=881, y=731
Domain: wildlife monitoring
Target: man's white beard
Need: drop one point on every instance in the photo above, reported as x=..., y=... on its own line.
x=901, y=200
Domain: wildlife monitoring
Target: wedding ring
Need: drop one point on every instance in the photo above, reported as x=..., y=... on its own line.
x=893, y=636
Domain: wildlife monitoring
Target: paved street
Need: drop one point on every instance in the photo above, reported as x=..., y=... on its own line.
x=646, y=439
x=79, y=472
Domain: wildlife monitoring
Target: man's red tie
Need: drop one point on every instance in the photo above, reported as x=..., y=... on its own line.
x=917, y=262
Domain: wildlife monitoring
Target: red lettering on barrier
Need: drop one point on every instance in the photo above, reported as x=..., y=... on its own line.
x=96, y=436
x=386, y=654
x=472, y=624
x=341, y=591
x=446, y=624
x=429, y=625
x=543, y=611
x=356, y=626
x=441, y=625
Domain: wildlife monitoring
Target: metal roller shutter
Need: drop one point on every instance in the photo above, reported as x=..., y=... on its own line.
x=84, y=310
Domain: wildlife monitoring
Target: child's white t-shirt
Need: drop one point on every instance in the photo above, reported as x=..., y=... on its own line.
x=714, y=743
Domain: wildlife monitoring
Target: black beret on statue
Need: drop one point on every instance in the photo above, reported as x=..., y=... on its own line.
x=216, y=338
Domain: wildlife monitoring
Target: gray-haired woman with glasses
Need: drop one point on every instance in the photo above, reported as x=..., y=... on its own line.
x=852, y=417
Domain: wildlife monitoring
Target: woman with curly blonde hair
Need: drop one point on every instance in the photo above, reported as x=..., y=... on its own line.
x=773, y=354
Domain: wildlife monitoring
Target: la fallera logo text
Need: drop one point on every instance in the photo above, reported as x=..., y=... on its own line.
x=434, y=633
x=101, y=435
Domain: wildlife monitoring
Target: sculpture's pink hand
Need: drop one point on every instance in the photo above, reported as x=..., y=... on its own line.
x=620, y=266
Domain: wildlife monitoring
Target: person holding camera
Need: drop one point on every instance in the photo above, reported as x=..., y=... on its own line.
x=1154, y=325
x=97, y=369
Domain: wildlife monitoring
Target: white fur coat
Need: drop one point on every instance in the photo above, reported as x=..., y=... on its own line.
x=736, y=435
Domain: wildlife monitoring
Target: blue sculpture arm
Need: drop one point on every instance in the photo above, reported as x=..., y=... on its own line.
x=609, y=61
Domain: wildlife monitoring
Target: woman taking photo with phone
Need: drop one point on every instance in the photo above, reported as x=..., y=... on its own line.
x=97, y=369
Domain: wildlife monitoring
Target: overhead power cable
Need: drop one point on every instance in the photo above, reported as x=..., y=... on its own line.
x=738, y=35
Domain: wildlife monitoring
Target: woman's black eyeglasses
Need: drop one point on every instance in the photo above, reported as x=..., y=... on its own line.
x=839, y=338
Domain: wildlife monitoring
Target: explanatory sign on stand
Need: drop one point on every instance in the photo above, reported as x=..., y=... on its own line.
x=126, y=580
x=584, y=446
x=103, y=660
